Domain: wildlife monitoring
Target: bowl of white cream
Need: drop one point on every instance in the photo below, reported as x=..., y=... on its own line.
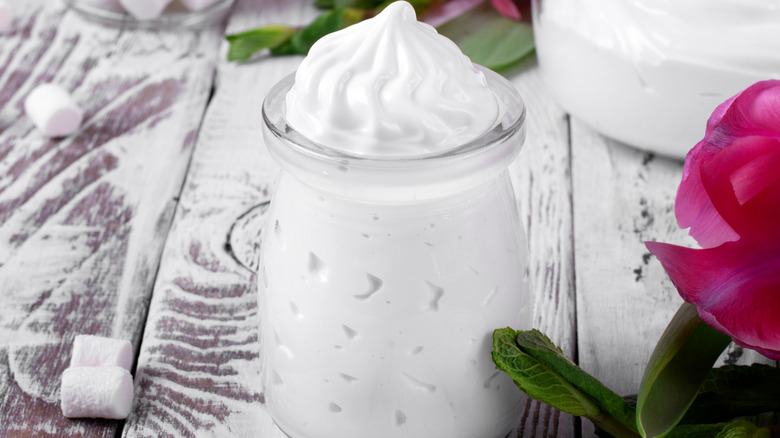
x=650, y=72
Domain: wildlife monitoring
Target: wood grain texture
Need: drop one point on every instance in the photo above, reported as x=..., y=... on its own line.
x=622, y=197
x=83, y=219
x=198, y=369
x=542, y=182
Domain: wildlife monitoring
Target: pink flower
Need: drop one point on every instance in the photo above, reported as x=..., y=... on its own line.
x=507, y=8
x=730, y=198
x=451, y=9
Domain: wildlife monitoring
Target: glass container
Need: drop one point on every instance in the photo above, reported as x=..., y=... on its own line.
x=382, y=280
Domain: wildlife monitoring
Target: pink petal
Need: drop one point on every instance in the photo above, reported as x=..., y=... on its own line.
x=718, y=114
x=446, y=11
x=754, y=111
x=757, y=217
x=736, y=288
x=507, y=8
x=728, y=168
x=756, y=175
x=693, y=207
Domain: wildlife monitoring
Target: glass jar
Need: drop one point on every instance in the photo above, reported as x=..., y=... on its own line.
x=650, y=72
x=383, y=279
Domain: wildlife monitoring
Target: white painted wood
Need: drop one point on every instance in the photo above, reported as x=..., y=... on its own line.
x=543, y=189
x=83, y=219
x=622, y=197
x=198, y=370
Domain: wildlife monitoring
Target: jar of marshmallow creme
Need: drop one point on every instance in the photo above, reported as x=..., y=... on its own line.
x=383, y=279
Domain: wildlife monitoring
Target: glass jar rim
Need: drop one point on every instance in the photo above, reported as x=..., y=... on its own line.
x=511, y=122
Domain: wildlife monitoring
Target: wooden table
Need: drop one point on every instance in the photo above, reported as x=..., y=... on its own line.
x=145, y=226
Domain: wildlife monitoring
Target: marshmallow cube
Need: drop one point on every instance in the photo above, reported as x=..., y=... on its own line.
x=6, y=15
x=197, y=5
x=144, y=9
x=96, y=392
x=97, y=351
x=53, y=110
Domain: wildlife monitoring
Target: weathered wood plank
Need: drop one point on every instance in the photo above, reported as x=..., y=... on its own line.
x=83, y=219
x=543, y=189
x=198, y=369
x=622, y=198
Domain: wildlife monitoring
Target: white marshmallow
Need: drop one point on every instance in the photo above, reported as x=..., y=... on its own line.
x=6, y=15
x=97, y=351
x=197, y=5
x=53, y=110
x=144, y=9
x=96, y=392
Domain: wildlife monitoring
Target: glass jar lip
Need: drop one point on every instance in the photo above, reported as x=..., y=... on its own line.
x=168, y=20
x=511, y=122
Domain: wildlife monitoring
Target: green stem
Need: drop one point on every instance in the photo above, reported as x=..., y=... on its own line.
x=678, y=366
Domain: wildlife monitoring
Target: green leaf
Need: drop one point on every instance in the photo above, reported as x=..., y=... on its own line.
x=359, y=4
x=695, y=431
x=327, y=22
x=420, y=6
x=325, y=4
x=541, y=348
x=489, y=38
x=736, y=391
x=540, y=369
x=735, y=429
x=243, y=45
x=536, y=379
x=742, y=429
x=679, y=364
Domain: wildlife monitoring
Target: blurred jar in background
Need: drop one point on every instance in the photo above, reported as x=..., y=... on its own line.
x=153, y=14
x=650, y=72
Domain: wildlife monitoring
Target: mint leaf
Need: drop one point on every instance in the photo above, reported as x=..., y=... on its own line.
x=742, y=429
x=536, y=379
x=489, y=38
x=679, y=364
x=245, y=44
x=541, y=348
x=540, y=369
x=328, y=22
x=736, y=391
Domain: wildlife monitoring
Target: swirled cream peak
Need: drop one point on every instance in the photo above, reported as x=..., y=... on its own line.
x=390, y=86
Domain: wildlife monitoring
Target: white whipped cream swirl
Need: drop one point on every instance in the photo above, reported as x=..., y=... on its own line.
x=390, y=86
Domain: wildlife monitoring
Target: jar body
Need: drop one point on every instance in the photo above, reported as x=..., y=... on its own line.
x=382, y=280
x=649, y=73
x=377, y=319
